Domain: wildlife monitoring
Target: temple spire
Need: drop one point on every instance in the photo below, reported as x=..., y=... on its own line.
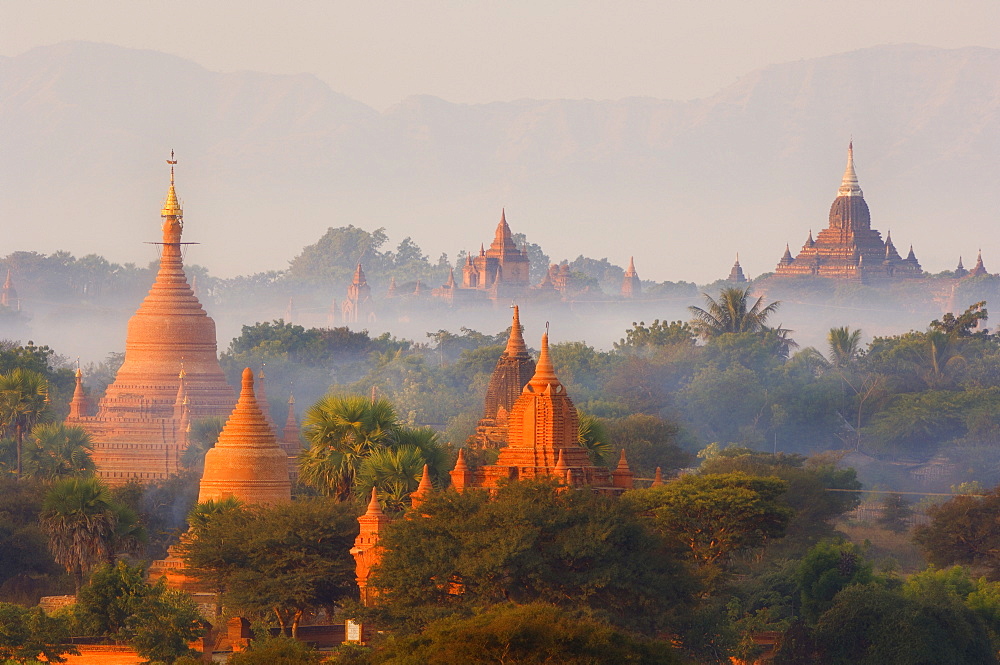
x=171, y=208
x=515, y=343
x=849, y=185
x=545, y=373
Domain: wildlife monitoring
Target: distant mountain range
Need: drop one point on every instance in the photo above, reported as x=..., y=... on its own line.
x=268, y=162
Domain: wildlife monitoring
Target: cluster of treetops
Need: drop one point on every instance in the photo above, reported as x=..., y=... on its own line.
x=745, y=545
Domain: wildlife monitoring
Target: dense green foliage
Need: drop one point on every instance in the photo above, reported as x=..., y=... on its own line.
x=119, y=604
x=531, y=634
x=530, y=543
x=26, y=634
x=280, y=561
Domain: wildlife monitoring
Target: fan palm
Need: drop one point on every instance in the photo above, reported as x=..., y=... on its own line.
x=395, y=472
x=341, y=431
x=57, y=451
x=593, y=435
x=844, y=345
x=23, y=401
x=731, y=313
x=79, y=518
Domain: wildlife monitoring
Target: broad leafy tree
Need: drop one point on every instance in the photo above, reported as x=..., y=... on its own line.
x=26, y=634
x=716, y=515
x=530, y=542
x=279, y=561
x=530, y=634
x=964, y=530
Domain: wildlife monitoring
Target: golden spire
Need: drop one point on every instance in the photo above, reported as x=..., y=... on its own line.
x=515, y=343
x=849, y=185
x=171, y=208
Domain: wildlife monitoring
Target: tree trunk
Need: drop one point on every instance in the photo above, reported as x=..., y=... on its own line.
x=296, y=618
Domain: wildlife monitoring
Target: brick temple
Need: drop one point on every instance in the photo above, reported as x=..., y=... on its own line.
x=171, y=374
x=849, y=248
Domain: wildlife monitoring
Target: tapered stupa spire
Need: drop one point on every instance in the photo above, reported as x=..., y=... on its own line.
x=78, y=406
x=515, y=343
x=849, y=185
x=246, y=462
x=423, y=490
x=545, y=374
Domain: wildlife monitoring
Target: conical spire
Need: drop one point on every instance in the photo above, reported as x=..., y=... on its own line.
x=290, y=433
x=246, y=461
x=809, y=241
x=631, y=266
x=503, y=234
x=788, y=253
x=374, y=509
x=560, y=469
x=171, y=208
x=515, y=343
x=461, y=477
x=423, y=489
x=262, y=401
x=451, y=278
x=910, y=256
x=657, y=478
x=78, y=406
x=622, y=475
x=545, y=373
x=8, y=283
x=359, y=275
x=849, y=185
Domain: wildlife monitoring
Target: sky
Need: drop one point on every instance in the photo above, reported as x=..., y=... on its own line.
x=381, y=52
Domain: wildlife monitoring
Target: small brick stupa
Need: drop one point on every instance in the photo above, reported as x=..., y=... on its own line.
x=171, y=374
x=543, y=441
x=246, y=463
x=513, y=371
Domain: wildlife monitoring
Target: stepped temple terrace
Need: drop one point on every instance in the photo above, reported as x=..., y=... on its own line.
x=171, y=374
x=849, y=248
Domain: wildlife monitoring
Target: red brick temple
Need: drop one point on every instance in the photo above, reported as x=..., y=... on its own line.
x=171, y=374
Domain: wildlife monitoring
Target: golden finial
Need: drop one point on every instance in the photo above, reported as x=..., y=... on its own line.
x=171, y=208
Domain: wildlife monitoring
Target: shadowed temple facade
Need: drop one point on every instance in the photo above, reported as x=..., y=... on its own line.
x=849, y=248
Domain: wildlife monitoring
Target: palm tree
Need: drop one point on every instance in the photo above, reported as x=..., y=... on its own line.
x=79, y=517
x=341, y=430
x=395, y=472
x=23, y=401
x=731, y=313
x=58, y=451
x=593, y=435
x=844, y=345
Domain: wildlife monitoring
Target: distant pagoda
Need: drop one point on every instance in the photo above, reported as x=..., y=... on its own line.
x=171, y=374
x=849, y=248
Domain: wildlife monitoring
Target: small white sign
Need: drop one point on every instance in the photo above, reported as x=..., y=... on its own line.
x=353, y=631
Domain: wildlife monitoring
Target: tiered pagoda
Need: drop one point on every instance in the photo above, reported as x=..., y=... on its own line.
x=736, y=275
x=358, y=306
x=849, y=248
x=543, y=441
x=246, y=462
x=631, y=285
x=502, y=270
x=513, y=371
x=171, y=374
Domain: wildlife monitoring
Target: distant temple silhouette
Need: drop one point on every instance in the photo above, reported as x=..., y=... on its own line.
x=849, y=248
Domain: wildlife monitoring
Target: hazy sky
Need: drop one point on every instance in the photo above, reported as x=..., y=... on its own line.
x=381, y=52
